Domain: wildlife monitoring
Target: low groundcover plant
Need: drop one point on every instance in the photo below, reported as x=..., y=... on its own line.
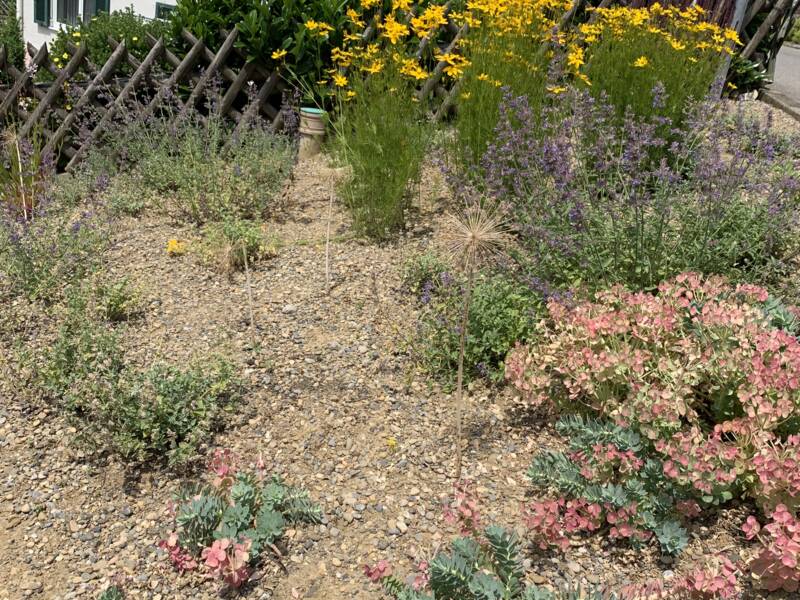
x=226, y=527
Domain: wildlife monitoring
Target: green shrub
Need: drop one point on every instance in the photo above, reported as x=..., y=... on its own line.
x=116, y=301
x=268, y=26
x=120, y=25
x=11, y=40
x=502, y=312
x=381, y=137
x=163, y=411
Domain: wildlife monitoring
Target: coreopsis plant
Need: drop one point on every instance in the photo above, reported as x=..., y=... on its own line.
x=698, y=369
x=629, y=50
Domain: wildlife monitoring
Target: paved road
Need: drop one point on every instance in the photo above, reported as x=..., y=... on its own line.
x=786, y=88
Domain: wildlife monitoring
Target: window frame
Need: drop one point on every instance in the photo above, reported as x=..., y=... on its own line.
x=47, y=19
x=162, y=6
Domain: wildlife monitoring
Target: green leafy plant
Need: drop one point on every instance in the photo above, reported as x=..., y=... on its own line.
x=234, y=244
x=381, y=138
x=122, y=25
x=161, y=411
x=501, y=313
x=226, y=527
x=11, y=40
x=198, y=170
x=113, y=592
x=609, y=474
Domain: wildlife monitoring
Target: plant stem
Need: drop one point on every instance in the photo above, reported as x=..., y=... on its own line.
x=328, y=248
x=460, y=384
x=249, y=297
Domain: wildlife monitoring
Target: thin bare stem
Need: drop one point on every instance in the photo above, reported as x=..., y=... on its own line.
x=328, y=248
x=249, y=296
x=460, y=382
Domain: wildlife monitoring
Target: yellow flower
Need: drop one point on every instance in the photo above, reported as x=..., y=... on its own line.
x=641, y=62
x=176, y=247
x=341, y=57
x=65, y=56
x=429, y=20
x=392, y=30
x=352, y=37
x=556, y=89
x=339, y=80
x=456, y=64
x=391, y=442
x=375, y=66
x=278, y=54
x=483, y=77
x=731, y=85
x=465, y=95
x=350, y=94
x=367, y=4
x=135, y=39
x=76, y=34
x=354, y=17
x=68, y=106
x=320, y=28
x=403, y=5
x=575, y=57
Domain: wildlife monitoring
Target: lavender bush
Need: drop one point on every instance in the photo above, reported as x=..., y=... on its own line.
x=595, y=203
x=44, y=243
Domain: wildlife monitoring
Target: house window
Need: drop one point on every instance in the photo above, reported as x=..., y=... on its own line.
x=93, y=7
x=41, y=12
x=163, y=10
x=67, y=12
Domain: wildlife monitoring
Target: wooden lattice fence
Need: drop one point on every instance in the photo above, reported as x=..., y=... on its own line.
x=74, y=110
x=58, y=109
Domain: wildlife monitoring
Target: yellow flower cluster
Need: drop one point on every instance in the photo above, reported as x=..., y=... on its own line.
x=429, y=20
x=319, y=28
x=393, y=30
x=683, y=29
x=455, y=64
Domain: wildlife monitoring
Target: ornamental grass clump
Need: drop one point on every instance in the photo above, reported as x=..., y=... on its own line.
x=593, y=203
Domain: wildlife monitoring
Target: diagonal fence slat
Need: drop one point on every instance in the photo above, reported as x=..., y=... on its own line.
x=87, y=97
x=56, y=88
x=216, y=64
x=23, y=80
x=130, y=87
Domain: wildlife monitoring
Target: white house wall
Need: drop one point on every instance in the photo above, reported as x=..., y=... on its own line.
x=38, y=35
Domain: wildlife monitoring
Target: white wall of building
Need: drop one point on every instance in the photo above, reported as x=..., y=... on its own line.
x=38, y=35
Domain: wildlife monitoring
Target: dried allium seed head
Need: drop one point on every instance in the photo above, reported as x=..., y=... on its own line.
x=475, y=234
